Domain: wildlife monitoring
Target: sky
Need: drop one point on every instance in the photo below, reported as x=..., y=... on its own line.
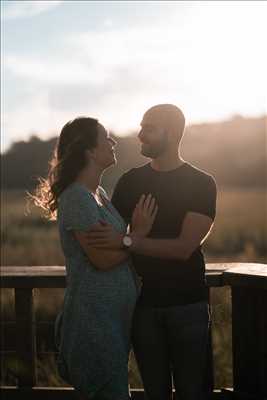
x=113, y=60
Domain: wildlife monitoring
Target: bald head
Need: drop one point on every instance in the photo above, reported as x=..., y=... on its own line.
x=161, y=131
x=166, y=116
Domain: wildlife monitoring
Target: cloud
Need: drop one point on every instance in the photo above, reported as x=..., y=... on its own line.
x=97, y=58
x=33, y=116
x=104, y=66
x=106, y=72
x=52, y=70
x=116, y=73
x=25, y=9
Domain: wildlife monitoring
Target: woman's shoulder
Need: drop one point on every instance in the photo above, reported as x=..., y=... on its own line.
x=76, y=193
x=77, y=207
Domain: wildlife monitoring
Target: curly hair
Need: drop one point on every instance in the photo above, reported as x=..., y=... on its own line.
x=67, y=161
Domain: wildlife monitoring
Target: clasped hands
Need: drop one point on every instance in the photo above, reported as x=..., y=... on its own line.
x=103, y=234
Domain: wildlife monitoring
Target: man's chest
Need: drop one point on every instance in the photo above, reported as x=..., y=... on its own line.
x=171, y=198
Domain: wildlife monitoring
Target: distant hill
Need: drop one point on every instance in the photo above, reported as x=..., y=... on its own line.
x=234, y=151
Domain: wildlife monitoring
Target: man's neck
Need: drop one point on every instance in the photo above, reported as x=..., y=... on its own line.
x=167, y=162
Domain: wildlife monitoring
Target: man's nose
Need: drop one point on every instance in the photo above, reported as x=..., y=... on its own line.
x=140, y=134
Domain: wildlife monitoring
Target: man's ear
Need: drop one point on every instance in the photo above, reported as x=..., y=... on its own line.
x=172, y=135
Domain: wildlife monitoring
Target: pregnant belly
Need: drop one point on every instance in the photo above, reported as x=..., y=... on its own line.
x=112, y=289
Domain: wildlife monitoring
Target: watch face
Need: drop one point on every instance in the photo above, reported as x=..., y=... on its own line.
x=127, y=241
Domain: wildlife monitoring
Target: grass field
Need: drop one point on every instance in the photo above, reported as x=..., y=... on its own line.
x=239, y=232
x=239, y=235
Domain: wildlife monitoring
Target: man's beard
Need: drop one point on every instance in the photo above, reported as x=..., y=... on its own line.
x=154, y=150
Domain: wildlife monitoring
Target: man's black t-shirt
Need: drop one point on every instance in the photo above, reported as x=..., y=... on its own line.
x=184, y=189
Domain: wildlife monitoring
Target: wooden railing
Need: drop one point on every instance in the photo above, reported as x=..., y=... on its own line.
x=248, y=284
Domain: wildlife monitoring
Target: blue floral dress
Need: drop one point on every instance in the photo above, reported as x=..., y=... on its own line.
x=92, y=331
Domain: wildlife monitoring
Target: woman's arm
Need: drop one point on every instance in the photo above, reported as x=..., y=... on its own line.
x=102, y=258
x=103, y=236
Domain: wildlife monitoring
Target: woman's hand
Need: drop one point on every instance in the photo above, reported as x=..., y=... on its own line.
x=144, y=215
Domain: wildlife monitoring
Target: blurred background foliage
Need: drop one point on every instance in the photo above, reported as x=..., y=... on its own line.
x=234, y=151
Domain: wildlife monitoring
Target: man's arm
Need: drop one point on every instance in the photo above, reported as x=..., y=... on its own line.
x=195, y=229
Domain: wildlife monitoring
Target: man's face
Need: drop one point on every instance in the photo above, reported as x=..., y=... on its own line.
x=153, y=138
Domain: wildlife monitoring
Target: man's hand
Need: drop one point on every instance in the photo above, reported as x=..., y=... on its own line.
x=103, y=235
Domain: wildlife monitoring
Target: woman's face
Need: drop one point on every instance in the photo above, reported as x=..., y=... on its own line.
x=104, y=153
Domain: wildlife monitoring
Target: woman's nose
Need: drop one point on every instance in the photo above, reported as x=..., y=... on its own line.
x=112, y=142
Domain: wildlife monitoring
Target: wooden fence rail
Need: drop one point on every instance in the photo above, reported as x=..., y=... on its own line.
x=248, y=284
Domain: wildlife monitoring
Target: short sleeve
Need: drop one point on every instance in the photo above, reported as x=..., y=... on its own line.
x=203, y=197
x=79, y=209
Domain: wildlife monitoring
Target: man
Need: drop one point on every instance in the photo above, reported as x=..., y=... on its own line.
x=170, y=325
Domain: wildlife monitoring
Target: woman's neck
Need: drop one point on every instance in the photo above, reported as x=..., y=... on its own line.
x=90, y=178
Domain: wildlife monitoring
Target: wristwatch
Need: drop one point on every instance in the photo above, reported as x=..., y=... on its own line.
x=127, y=241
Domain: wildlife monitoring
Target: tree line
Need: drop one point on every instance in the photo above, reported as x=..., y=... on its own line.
x=234, y=151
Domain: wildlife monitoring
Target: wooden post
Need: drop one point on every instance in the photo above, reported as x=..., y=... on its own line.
x=25, y=337
x=249, y=328
x=214, y=275
x=209, y=380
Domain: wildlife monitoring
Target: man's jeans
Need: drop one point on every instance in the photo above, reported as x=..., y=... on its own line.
x=172, y=341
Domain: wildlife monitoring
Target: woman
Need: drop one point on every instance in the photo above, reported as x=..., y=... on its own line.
x=93, y=330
